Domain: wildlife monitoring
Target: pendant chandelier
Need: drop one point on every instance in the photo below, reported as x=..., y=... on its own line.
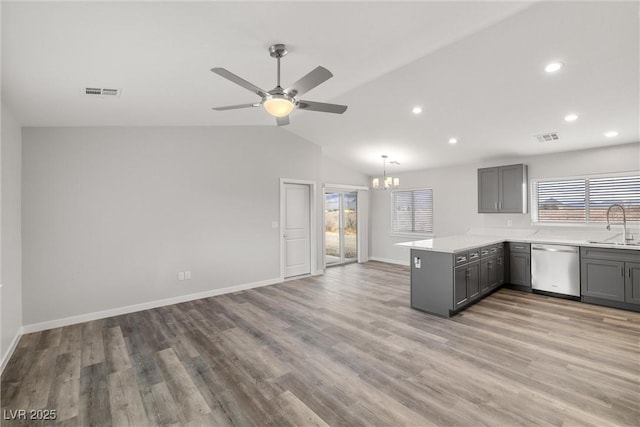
x=385, y=182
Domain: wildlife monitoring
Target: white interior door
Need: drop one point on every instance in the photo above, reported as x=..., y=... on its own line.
x=296, y=230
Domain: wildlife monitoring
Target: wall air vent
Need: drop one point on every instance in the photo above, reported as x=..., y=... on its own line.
x=102, y=92
x=547, y=137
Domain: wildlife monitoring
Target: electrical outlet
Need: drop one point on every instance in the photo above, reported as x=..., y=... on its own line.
x=181, y=275
x=274, y=224
x=509, y=223
x=187, y=275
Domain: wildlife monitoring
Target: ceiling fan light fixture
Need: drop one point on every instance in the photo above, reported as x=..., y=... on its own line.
x=278, y=105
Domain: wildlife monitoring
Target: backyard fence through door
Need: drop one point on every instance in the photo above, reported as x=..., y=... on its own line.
x=340, y=226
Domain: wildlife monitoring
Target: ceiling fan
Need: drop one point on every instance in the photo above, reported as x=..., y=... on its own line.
x=280, y=102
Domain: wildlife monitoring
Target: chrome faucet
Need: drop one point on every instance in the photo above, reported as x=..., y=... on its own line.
x=624, y=222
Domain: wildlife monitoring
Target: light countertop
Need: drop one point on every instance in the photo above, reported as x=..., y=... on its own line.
x=451, y=244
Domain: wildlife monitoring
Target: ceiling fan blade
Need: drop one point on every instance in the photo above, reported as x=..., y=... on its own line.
x=321, y=106
x=235, y=107
x=239, y=81
x=312, y=79
x=282, y=121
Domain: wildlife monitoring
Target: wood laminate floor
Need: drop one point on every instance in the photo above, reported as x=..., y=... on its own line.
x=343, y=349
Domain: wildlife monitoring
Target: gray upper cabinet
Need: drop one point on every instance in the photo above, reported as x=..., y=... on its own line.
x=502, y=189
x=488, y=190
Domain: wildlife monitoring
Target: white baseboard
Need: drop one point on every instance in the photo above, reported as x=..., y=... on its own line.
x=36, y=327
x=12, y=347
x=389, y=261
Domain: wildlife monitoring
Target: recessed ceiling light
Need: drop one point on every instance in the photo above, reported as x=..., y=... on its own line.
x=571, y=117
x=611, y=134
x=552, y=67
x=452, y=141
x=417, y=109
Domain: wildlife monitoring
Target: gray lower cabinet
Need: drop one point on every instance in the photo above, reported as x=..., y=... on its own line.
x=603, y=278
x=500, y=267
x=443, y=283
x=632, y=283
x=466, y=283
x=610, y=277
x=491, y=268
x=520, y=264
x=432, y=281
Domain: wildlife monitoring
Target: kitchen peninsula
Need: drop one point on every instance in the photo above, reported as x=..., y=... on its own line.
x=450, y=273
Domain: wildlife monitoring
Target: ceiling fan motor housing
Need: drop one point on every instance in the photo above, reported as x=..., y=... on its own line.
x=278, y=50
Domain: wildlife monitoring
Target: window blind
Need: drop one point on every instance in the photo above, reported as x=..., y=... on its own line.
x=623, y=190
x=583, y=200
x=561, y=201
x=412, y=211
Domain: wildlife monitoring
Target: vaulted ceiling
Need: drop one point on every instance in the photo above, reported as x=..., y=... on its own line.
x=475, y=68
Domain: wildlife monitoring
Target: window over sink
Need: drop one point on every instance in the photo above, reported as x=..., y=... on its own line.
x=584, y=200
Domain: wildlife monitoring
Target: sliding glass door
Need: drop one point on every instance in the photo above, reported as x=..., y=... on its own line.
x=340, y=227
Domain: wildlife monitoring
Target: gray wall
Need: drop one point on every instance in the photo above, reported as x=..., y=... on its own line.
x=112, y=214
x=456, y=199
x=10, y=230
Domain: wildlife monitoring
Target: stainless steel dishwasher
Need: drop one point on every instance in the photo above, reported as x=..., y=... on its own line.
x=555, y=268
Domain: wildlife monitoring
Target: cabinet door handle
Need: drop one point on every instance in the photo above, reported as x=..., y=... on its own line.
x=622, y=271
x=629, y=272
x=496, y=205
x=500, y=205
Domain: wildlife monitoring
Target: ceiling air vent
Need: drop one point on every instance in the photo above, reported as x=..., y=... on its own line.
x=96, y=91
x=547, y=137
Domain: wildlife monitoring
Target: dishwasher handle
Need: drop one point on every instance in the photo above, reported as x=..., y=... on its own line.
x=546, y=249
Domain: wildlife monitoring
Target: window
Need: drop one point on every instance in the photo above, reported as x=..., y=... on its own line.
x=585, y=199
x=412, y=211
